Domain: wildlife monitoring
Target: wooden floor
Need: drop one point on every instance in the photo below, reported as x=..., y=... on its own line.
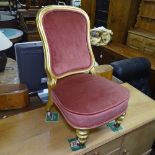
x=28, y=134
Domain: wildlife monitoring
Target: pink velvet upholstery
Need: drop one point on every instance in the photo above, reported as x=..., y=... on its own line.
x=85, y=100
x=66, y=32
x=88, y=101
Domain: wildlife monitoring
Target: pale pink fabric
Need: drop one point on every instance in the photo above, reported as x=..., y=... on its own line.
x=88, y=101
x=66, y=32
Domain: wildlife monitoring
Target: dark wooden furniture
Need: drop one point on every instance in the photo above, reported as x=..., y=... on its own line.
x=142, y=37
x=116, y=51
x=28, y=24
x=121, y=17
x=101, y=14
x=97, y=11
x=89, y=7
x=27, y=17
x=119, y=51
x=34, y=4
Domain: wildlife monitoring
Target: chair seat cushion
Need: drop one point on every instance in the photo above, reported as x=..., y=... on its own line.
x=88, y=101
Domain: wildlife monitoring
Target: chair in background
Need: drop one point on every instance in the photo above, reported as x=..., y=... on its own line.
x=135, y=71
x=85, y=100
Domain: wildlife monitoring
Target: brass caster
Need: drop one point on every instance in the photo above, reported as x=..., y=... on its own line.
x=119, y=120
x=82, y=135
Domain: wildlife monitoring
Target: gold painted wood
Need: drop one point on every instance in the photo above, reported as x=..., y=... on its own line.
x=27, y=133
x=104, y=71
x=119, y=120
x=51, y=84
x=82, y=135
x=48, y=61
x=52, y=78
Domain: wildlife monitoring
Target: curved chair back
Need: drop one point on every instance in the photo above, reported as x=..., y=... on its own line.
x=65, y=34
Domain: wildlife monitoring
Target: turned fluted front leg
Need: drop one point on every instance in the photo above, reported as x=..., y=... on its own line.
x=51, y=84
x=50, y=101
x=49, y=105
x=119, y=120
x=82, y=135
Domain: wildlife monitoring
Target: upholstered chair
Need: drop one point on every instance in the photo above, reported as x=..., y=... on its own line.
x=135, y=71
x=85, y=100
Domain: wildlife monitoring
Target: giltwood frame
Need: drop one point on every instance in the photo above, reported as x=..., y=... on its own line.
x=39, y=18
x=82, y=134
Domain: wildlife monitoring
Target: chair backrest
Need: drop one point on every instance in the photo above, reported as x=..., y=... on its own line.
x=66, y=40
